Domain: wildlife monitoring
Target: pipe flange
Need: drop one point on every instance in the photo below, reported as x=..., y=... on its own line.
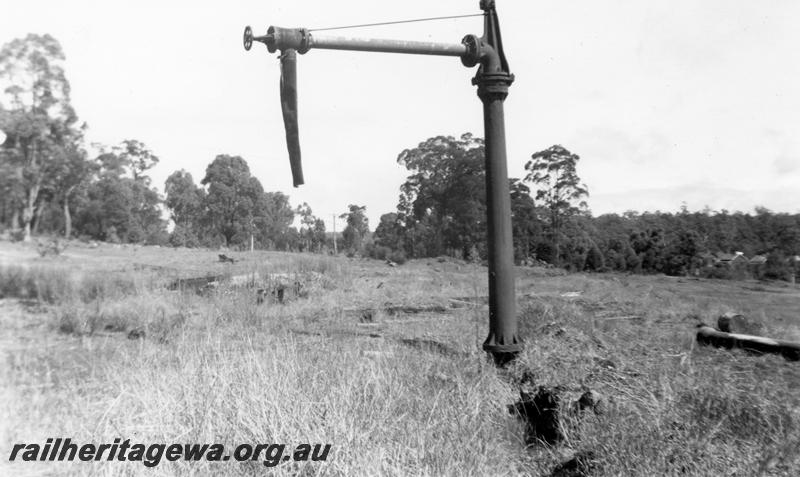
x=272, y=44
x=298, y=39
x=501, y=79
x=473, y=54
x=305, y=41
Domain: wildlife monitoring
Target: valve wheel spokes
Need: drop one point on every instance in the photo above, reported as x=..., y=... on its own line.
x=248, y=38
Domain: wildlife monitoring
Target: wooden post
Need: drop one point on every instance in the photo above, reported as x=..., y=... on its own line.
x=335, y=252
x=252, y=226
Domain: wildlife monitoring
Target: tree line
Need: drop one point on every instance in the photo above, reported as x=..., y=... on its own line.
x=441, y=211
x=51, y=184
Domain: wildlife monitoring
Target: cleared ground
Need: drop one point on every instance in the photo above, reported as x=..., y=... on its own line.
x=385, y=364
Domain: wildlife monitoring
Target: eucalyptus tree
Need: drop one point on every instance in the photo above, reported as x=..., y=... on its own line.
x=553, y=173
x=357, y=227
x=443, y=201
x=37, y=115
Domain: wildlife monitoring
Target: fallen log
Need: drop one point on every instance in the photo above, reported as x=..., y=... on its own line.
x=410, y=309
x=458, y=303
x=367, y=314
x=707, y=335
x=225, y=259
x=624, y=317
x=198, y=284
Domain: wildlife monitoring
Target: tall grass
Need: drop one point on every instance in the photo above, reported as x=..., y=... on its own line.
x=670, y=409
x=220, y=368
x=60, y=284
x=395, y=412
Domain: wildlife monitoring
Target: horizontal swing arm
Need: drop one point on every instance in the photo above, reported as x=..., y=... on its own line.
x=302, y=40
x=388, y=46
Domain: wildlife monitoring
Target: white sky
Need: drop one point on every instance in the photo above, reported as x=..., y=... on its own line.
x=665, y=101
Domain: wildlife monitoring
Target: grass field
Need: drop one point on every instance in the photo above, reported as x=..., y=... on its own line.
x=396, y=392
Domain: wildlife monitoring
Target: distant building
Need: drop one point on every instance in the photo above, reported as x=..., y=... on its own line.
x=708, y=259
x=734, y=259
x=756, y=266
x=730, y=266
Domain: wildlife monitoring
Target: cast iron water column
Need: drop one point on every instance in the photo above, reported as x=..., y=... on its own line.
x=493, y=79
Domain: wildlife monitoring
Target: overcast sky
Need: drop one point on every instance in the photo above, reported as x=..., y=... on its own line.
x=665, y=101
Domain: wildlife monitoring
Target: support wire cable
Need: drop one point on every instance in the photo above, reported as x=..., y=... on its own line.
x=397, y=22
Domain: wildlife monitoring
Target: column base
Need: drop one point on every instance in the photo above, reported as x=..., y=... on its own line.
x=502, y=354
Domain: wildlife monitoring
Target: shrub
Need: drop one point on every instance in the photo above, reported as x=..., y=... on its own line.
x=398, y=257
x=719, y=271
x=60, y=284
x=594, y=260
x=17, y=235
x=157, y=237
x=111, y=235
x=183, y=237
x=15, y=282
x=53, y=247
x=380, y=252
x=777, y=267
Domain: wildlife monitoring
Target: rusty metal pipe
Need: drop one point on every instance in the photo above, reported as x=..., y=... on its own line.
x=707, y=335
x=387, y=46
x=503, y=342
x=302, y=40
x=493, y=80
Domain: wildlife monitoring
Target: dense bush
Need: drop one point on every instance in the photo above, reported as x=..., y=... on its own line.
x=381, y=252
x=398, y=257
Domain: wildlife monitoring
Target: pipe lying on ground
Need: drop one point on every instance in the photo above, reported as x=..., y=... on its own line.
x=707, y=335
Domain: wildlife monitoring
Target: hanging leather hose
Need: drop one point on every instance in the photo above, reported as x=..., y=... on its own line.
x=289, y=109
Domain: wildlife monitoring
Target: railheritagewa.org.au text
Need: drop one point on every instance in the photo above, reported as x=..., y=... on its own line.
x=65, y=450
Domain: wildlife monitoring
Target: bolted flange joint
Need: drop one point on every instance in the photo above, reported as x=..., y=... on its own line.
x=288, y=39
x=493, y=85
